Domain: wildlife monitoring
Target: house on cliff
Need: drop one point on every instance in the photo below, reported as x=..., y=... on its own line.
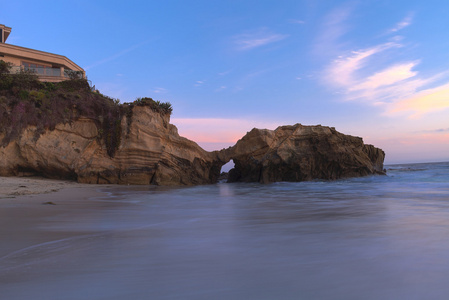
x=48, y=66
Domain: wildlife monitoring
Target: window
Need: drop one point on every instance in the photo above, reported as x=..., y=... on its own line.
x=1, y=35
x=40, y=69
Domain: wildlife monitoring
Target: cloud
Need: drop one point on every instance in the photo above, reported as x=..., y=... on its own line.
x=389, y=76
x=217, y=130
x=397, y=87
x=439, y=130
x=115, y=56
x=292, y=21
x=388, y=94
x=199, y=83
x=407, y=21
x=414, y=147
x=159, y=90
x=255, y=39
x=442, y=130
x=224, y=73
x=221, y=88
x=342, y=71
x=423, y=102
x=333, y=27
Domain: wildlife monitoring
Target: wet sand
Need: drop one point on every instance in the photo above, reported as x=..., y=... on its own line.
x=26, y=204
x=55, y=251
x=12, y=187
x=379, y=237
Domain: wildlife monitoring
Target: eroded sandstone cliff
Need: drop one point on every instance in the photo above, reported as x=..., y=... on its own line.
x=150, y=152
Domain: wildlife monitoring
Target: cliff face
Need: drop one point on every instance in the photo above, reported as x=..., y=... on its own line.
x=298, y=153
x=151, y=152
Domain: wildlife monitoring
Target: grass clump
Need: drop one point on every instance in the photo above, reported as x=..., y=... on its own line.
x=156, y=105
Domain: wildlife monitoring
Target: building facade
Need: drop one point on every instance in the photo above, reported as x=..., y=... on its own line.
x=48, y=66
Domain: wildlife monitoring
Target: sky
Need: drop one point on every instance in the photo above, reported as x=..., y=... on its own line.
x=374, y=68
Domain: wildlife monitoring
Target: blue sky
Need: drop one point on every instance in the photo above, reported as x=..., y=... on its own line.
x=374, y=69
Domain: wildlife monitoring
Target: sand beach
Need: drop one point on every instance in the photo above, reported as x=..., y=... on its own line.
x=13, y=187
x=28, y=202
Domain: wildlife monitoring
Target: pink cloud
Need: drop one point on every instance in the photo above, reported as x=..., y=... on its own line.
x=389, y=76
x=397, y=88
x=418, y=147
x=342, y=71
x=217, y=130
x=423, y=102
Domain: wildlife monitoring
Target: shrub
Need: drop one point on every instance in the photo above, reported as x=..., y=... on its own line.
x=73, y=75
x=24, y=101
x=25, y=80
x=75, y=85
x=49, y=86
x=5, y=67
x=23, y=94
x=158, y=106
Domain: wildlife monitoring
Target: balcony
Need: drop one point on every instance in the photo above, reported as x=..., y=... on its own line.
x=44, y=73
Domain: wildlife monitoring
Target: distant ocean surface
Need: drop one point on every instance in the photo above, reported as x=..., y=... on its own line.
x=377, y=237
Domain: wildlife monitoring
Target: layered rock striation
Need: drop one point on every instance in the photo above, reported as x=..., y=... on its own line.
x=150, y=152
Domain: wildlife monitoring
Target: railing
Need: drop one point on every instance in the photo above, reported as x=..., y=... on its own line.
x=53, y=72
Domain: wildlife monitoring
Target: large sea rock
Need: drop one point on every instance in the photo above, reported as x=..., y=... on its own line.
x=152, y=152
x=299, y=153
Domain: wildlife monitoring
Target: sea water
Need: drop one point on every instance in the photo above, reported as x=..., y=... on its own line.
x=376, y=237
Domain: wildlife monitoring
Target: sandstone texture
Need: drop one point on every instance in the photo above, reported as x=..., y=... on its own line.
x=299, y=153
x=150, y=152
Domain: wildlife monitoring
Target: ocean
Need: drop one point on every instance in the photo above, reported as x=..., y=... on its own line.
x=376, y=237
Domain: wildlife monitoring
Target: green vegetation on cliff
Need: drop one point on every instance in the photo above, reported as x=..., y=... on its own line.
x=25, y=101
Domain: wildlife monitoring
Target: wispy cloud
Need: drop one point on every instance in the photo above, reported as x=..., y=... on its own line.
x=423, y=102
x=159, y=90
x=114, y=56
x=295, y=21
x=397, y=87
x=407, y=21
x=388, y=76
x=224, y=73
x=341, y=71
x=439, y=130
x=199, y=83
x=333, y=27
x=442, y=130
x=255, y=39
x=221, y=88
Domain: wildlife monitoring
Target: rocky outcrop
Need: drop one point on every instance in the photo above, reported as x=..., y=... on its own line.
x=298, y=153
x=150, y=152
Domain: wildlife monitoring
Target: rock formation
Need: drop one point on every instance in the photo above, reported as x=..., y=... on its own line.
x=298, y=153
x=152, y=152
